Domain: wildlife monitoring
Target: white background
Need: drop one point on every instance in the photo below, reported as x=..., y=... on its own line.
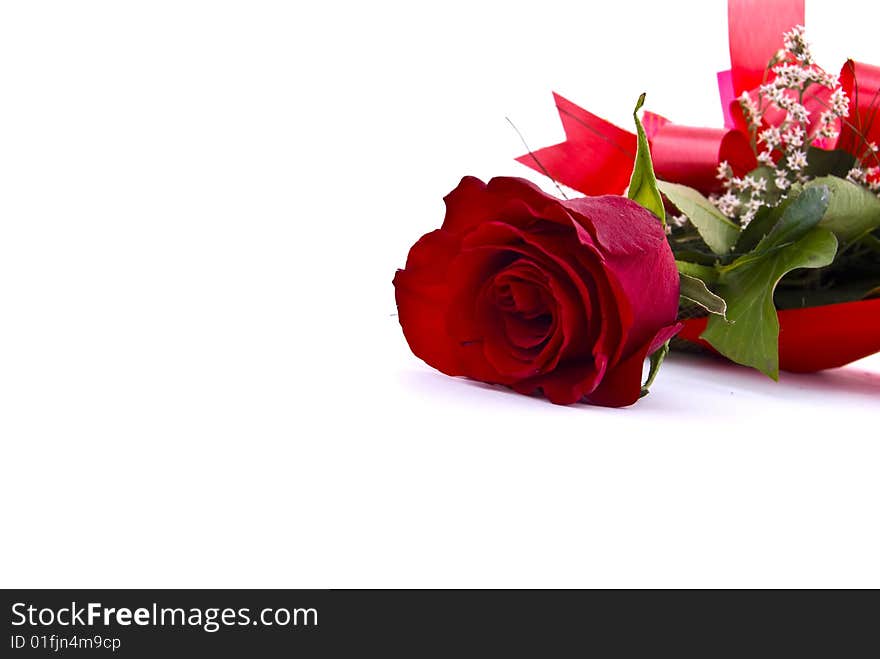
x=202, y=382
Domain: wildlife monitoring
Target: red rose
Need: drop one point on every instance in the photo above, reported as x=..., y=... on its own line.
x=522, y=289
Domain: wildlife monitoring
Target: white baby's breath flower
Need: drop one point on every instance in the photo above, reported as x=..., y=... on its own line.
x=794, y=136
x=798, y=112
x=790, y=76
x=839, y=103
x=782, y=181
x=768, y=89
x=725, y=171
x=766, y=158
x=796, y=159
x=796, y=45
x=750, y=110
x=750, y=210
x=829, y=80
x=728, y=203
x=829, y=132
x=771, y=137
x=856, y=175
x=786, y=102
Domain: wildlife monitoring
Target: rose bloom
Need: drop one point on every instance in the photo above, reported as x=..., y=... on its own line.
x=522, y=289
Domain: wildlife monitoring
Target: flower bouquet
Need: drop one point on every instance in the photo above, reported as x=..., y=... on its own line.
x=759, y=241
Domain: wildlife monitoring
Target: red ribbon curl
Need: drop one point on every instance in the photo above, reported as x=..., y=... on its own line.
x=597, y=158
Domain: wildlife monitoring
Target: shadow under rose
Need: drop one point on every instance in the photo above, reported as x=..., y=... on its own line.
x=433, y=383
x=681, y=375
x=856, y=379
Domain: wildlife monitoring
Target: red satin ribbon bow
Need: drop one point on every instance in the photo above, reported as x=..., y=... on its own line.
x=597, y=158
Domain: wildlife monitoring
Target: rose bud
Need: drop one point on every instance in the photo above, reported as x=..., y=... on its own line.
x=522, y=289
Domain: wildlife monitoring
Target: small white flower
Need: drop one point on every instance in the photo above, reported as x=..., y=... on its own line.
x=790, y=76
x=781, y=181
x=754, y=205
x=794, y=136
x=829, y=80
x=839, y=103
x=772, y=91
x=796, y=159
x=766, y=158
x=797, y=45
x=829, y=132
x=725, y=171
x=856, y=175
x=798, y=112
x=728, y=203
x=771, y=137
x=786, y=102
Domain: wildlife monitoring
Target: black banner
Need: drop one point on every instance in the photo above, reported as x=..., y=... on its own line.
x=412, y=623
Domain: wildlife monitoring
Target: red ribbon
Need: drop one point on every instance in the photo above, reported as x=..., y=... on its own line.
x=754, y=35
x=816, y=338
x=861, y=82
x=597, y=158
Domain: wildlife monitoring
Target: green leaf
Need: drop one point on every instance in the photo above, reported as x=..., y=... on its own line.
x=748, y=284
x=765, y=219
x=801, y=214
x=717, y=231
x=772, y=193
x=643, y=184
x=707, y=273
x=822, y=163
x=693, y=256
x=656, y=359
x=696, y=291
x=853, y=211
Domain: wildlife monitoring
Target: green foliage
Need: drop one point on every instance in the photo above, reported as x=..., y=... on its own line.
x=823, y=163
x=643, y=190
x=802, y=231
x=643, y=184
x=748, y=283
x=717, y=231
x=696, y=291
x=656, y=359
x=706, y=273
x=799, y=216
x=753, y=337
x=853, y=211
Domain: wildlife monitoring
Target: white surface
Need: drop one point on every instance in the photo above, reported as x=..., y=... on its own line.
x=201, y=380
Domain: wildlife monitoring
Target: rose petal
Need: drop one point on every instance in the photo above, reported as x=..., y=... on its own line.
x=637, y=254
x=622, y=385
x=422, y=299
